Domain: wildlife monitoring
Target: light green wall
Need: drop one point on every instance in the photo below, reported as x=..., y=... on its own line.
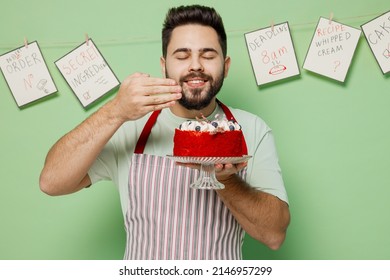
x=333, y=139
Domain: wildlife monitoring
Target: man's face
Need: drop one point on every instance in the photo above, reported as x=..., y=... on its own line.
x=195, y=60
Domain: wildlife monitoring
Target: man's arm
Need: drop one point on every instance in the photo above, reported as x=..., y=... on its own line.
x=68, y=161
x=263, y=216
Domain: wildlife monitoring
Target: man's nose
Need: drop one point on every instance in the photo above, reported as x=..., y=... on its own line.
x=195, y=65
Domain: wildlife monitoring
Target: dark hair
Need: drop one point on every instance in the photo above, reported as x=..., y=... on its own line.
x=194, y=14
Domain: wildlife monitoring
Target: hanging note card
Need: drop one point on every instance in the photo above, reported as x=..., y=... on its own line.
x=331, y=50
x=272, y=53
x=87, y=73
x=377, y=33
x=26, y=74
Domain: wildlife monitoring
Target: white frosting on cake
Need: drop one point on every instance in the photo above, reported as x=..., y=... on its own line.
x=204, y=125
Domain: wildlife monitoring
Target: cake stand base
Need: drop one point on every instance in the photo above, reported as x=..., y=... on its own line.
x=207, y=179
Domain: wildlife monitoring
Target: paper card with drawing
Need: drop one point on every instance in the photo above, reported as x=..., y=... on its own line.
x=87, y=73
x=331, y=49
x=272, y=53
x=26, y=74
x=377, y=33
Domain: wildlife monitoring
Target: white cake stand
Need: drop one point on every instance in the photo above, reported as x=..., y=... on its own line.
x=207, y=179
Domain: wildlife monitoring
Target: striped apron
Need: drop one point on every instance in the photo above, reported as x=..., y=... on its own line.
x=166, y=219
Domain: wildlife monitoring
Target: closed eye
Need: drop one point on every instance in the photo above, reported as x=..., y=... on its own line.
x=209, y=56
x=182, y=53
x=209, y=53
x=181, y=57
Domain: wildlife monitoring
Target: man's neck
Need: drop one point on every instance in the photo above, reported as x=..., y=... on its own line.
x=182, y=112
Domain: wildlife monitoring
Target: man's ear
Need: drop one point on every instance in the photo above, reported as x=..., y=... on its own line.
x=227, y=65
x=162, y=65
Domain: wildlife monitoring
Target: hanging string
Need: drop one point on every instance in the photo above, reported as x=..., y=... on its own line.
x=361, y=19
x=157, y=39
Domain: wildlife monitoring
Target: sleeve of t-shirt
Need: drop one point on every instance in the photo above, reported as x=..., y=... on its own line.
x=105, y=166
x=265, y=172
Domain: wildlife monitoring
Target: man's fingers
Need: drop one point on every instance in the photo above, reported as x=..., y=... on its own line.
x=230, y=168
x=162, y=98
x=158, y=89
x=139, y=74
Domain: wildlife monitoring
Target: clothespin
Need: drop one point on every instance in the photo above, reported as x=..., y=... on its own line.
x=25, y=43
x=86, y=39
x=272, y=25
x=330, y=17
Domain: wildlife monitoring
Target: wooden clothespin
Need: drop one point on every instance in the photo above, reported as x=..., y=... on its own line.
x=86, y=39
x=330, y=17
x=25, y=43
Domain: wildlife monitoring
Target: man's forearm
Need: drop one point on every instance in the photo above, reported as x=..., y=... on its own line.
x=69, y=160
x=263, y=216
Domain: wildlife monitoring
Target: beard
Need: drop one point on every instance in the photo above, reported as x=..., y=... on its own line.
x=199, y=98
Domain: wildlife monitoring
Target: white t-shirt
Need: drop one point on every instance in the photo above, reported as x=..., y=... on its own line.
x=114, y=161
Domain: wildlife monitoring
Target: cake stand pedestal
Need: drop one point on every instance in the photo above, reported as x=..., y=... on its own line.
x=207, y=179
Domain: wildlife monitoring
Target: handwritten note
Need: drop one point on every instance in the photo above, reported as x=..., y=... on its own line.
x=87, y=73
x=272, y=53
x=331, y=50
x=26, y=74
x=377, y=33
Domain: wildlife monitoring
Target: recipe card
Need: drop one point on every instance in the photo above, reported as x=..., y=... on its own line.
x=87, y=73
x=332, y=48
x=272, y=53
x=377, y=33
x=26, y=74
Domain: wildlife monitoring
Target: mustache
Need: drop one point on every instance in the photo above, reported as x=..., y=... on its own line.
x=195, y=75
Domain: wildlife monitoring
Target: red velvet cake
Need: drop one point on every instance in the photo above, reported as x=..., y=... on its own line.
x=209, y=139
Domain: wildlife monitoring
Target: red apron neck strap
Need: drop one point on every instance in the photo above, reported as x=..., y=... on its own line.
x=226, y=111
x=143, y=138
x=230, y=117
